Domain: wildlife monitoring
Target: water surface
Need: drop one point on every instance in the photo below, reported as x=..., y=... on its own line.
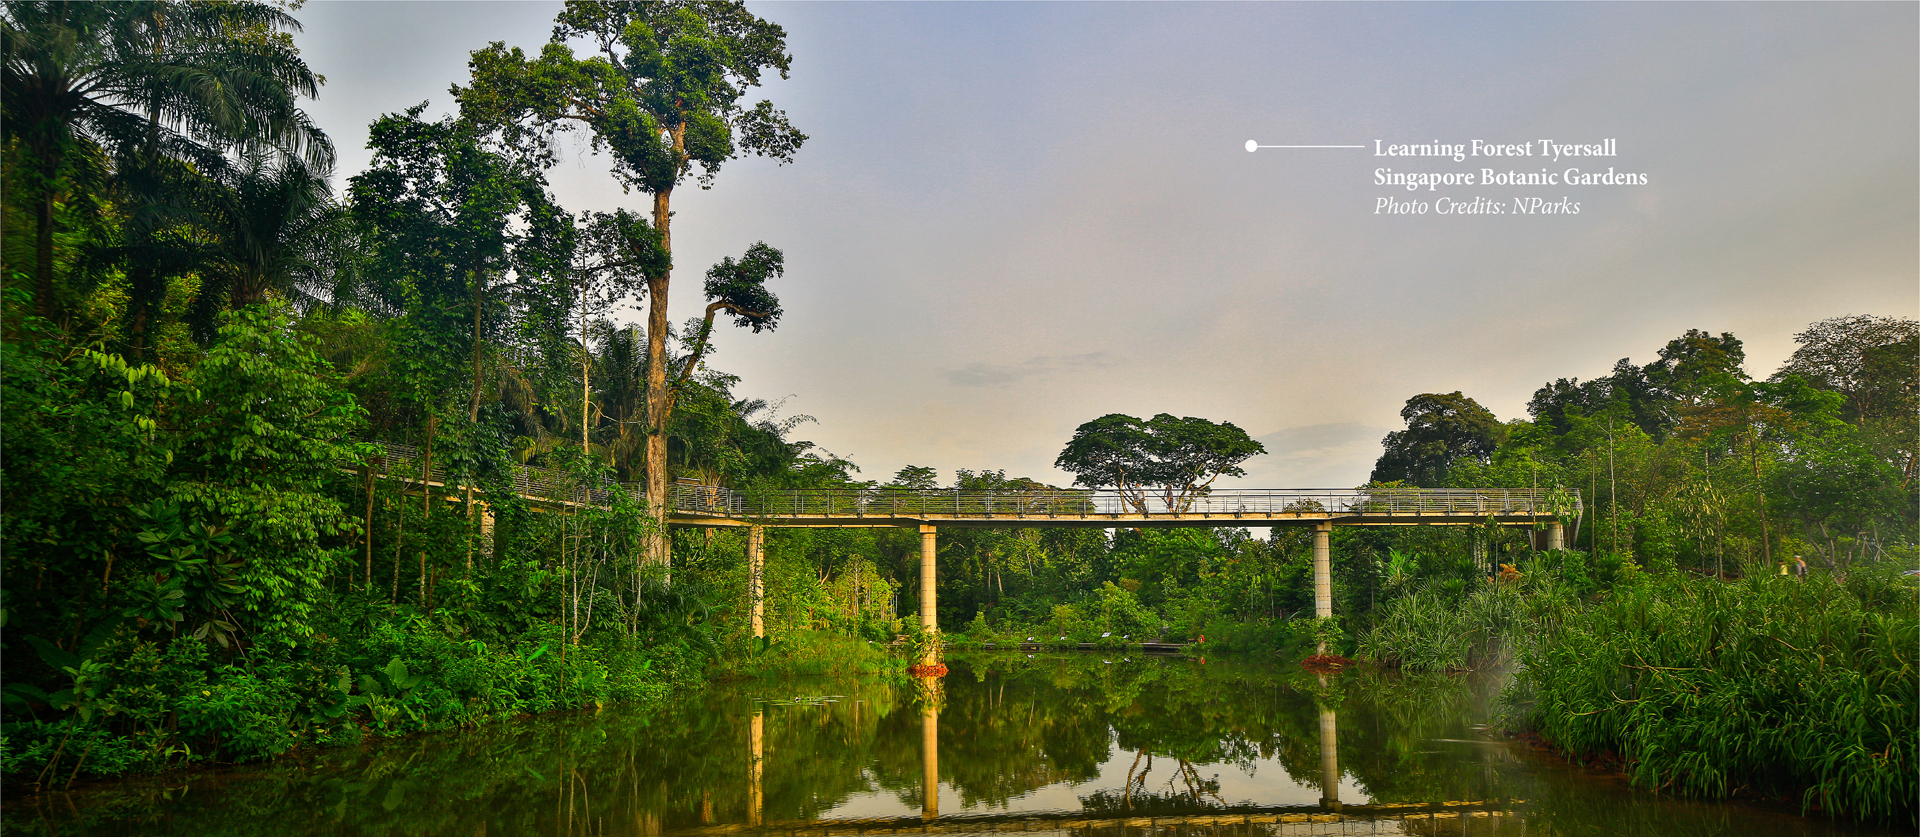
x=1079, y=744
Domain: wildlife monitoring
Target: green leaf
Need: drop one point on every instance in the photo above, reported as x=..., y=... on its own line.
x=53, y=655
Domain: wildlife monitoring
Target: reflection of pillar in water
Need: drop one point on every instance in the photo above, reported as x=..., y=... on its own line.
x=1329, y=760
x=755, y=732
x=929, y=760
x=1329, y=756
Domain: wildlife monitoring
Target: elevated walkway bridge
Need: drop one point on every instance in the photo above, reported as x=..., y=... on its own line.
x=695, y=505
x=929, y=510
x=711, y=506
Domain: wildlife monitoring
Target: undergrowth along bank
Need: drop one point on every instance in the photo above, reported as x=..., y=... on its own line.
x=1765, y=685
x=139, y=705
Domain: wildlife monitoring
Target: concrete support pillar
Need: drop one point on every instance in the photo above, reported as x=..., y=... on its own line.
x=486, y=531
x=1556, y=537
x=929, y=615
x=930, y=760
x=1329, y=759
x=756, y=794
x=756, y=578
x=1322, y=575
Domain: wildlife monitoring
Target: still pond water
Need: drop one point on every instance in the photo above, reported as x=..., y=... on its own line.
x=1075, y=745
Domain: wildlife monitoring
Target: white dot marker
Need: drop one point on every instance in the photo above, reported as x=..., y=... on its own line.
x=1252, y=146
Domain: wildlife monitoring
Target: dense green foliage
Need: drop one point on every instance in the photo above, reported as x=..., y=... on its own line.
x=1767, y=684
x=1737, y=622
x=208, y=554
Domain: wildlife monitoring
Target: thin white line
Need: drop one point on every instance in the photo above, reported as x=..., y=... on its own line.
x=1309, y=146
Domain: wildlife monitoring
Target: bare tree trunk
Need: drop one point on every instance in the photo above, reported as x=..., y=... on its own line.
x=1766, y=537
x=43, y=255
x=399, y=537
x=658, y=546
x=1613, y=492
x=473, y=403
x=367, y=474
x=426, y=504
x=473, y=522
x=586, y=359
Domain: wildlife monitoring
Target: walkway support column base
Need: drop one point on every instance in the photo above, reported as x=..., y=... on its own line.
x=1556, y=537
x=1322, y=577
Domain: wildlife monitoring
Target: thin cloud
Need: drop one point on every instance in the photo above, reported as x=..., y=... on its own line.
x=978, y=374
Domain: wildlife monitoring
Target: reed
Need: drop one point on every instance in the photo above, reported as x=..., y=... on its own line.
x=1766, y=685
x=1427, y=630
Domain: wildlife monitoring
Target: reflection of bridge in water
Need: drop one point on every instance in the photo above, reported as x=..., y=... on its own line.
x=1330, y=817
x=928, y=510
x=1441, y=818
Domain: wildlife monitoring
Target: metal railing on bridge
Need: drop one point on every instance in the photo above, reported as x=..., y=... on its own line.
x=401, y=461
x=694, y=500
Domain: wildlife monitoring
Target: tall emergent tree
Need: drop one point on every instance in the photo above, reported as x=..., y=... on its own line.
x=662, y=98
x=1174, y=460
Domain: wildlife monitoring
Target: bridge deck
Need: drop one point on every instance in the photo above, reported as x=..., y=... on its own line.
x=707, y=506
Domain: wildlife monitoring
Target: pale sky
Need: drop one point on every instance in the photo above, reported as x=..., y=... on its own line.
x=1011, y=218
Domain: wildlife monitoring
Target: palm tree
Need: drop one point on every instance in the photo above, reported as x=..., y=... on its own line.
x=273, y=224
x=153, y=78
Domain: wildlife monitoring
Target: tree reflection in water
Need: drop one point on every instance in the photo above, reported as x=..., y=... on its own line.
x=1066, y=739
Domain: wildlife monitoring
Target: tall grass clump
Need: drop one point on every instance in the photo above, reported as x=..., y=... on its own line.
x=1427, y=630
x=1768, y=684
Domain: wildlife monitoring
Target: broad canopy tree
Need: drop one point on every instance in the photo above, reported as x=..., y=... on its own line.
x=1172, y=460
x=1874, y=363
x=1651, y=396
x=662, y=97
x=1442, y=429
x=1871, y=360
